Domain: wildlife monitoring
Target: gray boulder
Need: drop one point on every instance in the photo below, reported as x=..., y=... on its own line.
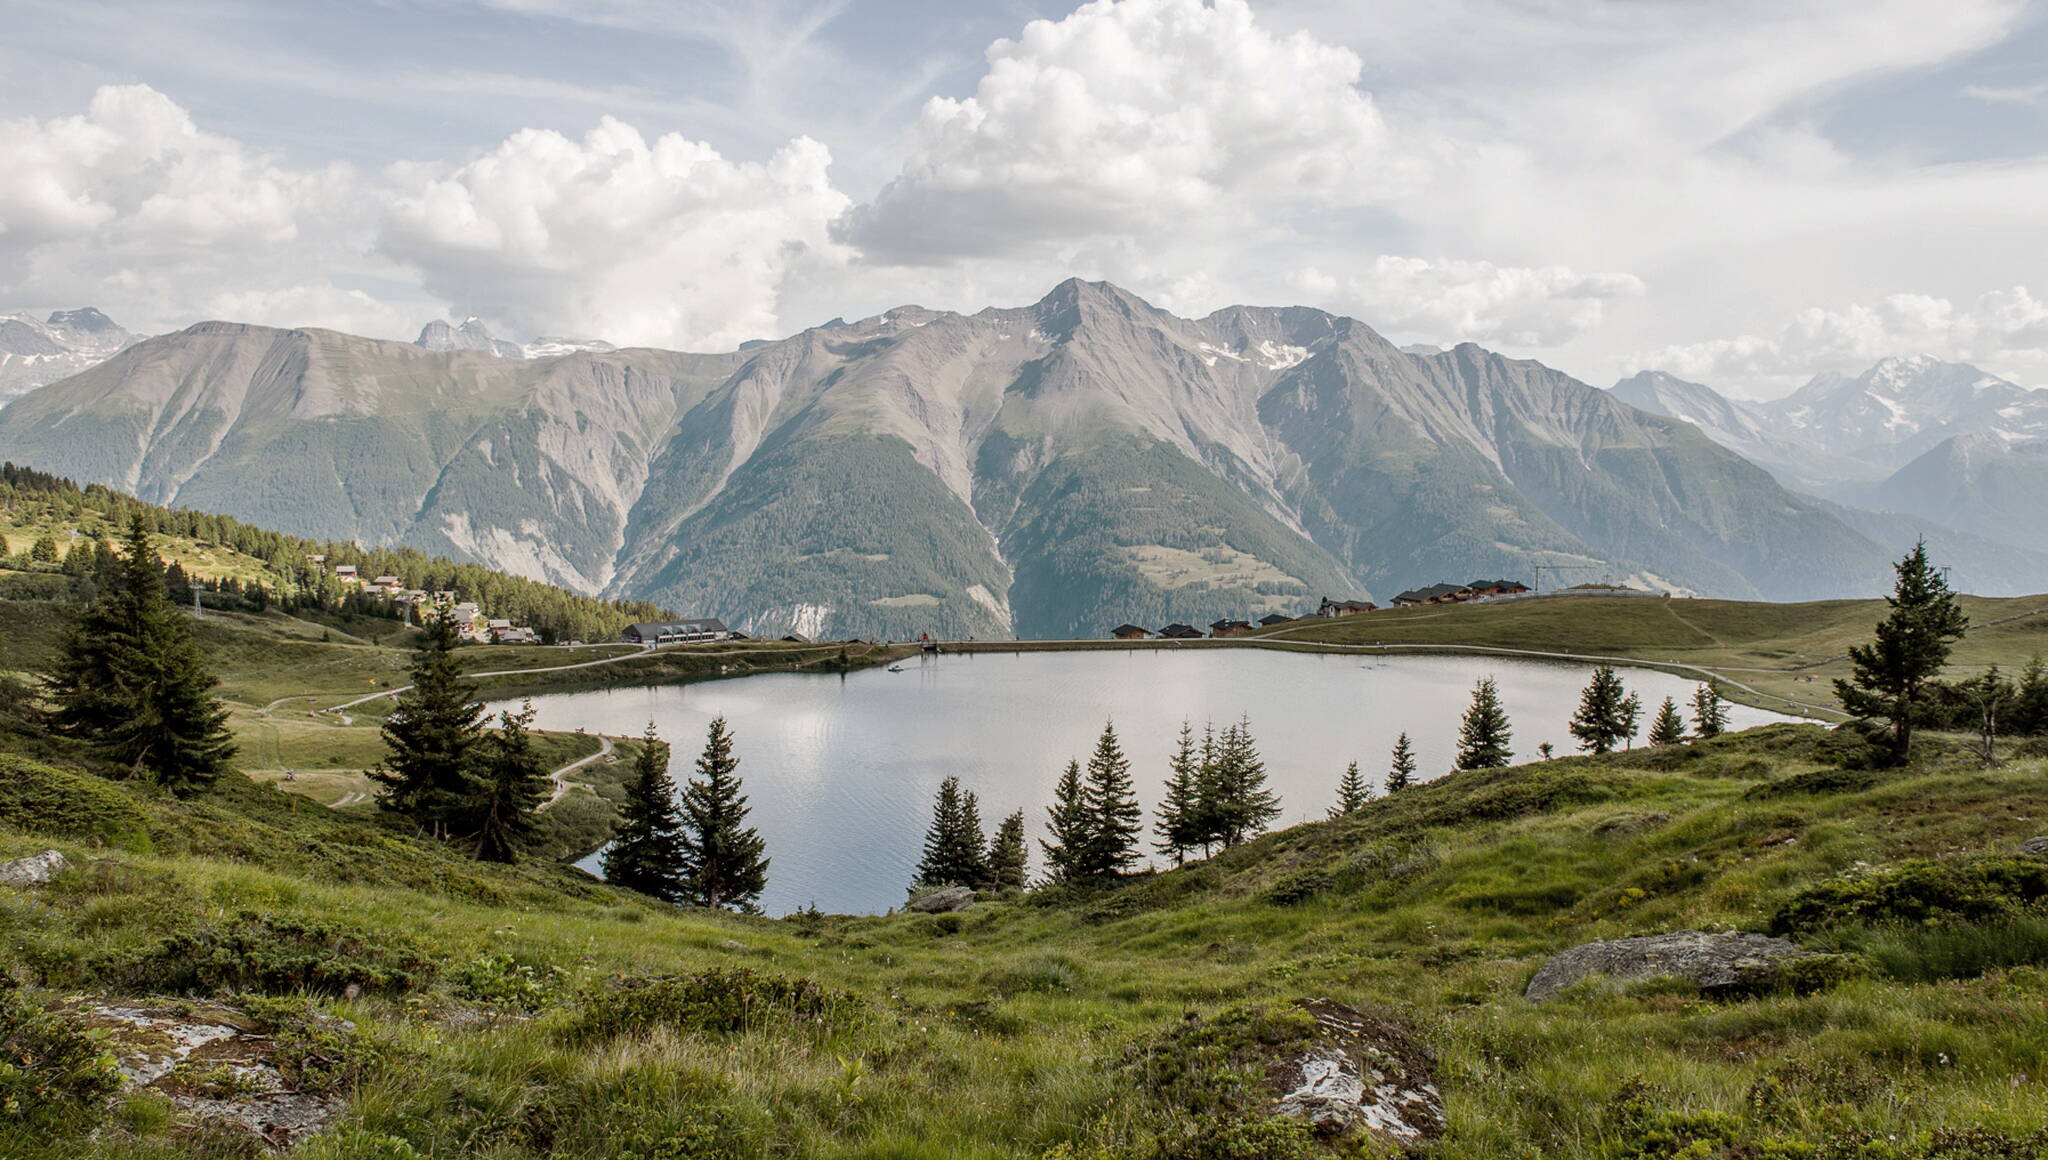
x=1712, y=961
x=2038, y=847
x=1359, y=1074
x=34, y=870
x=942, y=900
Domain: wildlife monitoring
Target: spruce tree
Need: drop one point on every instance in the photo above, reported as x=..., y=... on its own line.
x=132, y=683
x=646, y=853
x=1599, y=723
x=1709, y=715
x=1007, y=857
x=723, y=862
x=1484, y=734
x=1069, y=825
x=1115, y=819
x=44, y=550
x=511, y=782
x=1667, y=728
x=1401, y=769
x=2029, y=712
x=1352, y=792
x=1241, y=806
x=955, y=852
x=432, y=737
x=1179, y=813
x=1631, y=715
x=1894, y=678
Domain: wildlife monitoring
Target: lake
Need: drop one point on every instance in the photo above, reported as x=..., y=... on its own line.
x=841, y=770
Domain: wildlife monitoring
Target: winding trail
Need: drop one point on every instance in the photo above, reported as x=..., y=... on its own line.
x=498, y=673
x=559, y=777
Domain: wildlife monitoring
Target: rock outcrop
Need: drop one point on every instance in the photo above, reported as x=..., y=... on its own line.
x=942, y=900
x=1359, y=1074
x=2038, y=847
x=34, y=870
x=1713, y=961
x=215, y=1065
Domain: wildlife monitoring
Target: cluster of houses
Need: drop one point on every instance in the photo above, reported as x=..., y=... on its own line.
x=471, y=625
x=1434, y=594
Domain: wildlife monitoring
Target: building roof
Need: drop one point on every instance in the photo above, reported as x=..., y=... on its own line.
x=1180, y=630
x=1124, y=629
x=1274, y=618
x=1495, y=584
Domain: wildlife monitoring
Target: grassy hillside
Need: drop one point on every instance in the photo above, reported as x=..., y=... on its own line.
x=520, y=1021
x=1786, y=651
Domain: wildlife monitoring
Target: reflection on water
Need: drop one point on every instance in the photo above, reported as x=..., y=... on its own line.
x=841, y=769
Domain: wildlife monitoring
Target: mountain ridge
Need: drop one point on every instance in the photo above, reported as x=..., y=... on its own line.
x=1046, y=469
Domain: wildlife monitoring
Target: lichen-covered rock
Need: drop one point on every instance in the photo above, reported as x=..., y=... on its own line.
x=942, y=900
x=2038, y=847
x=1359, y=1073
x=215, y=1065
x=1713, y=961
x=34, y=870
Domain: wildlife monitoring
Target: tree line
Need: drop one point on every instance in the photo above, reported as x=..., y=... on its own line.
x=290, y=579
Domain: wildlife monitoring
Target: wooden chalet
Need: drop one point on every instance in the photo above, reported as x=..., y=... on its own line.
x=1223, y=628
x=1434, y=594
x=1180, y=632
x=1129, y=632
x=1497, y=587
x=1331, y=607
x=1273, y=619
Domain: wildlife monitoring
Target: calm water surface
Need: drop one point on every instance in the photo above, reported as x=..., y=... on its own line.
x=841, y=769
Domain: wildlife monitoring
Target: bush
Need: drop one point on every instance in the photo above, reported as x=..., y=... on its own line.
x=717, y=1001
x=316, y=1052
x=1298, y=887
x=54, y=1075
x=1814, y=781
x=1920, y=891
x=504, y=983
x=41, y=799
x=271, y=954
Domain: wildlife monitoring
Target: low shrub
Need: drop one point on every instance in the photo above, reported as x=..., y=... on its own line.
x=1298, y=887
x=271, y=954
x=1814, y=781
x=317, y=1052
x=55, y=1077
x=42, y=799
x=717, y=1001
x=1919, y=891
x=506, y=983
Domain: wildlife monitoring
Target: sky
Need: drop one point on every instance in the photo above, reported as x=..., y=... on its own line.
x=1744, y=193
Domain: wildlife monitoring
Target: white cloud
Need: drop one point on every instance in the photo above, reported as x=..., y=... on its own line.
x=131, y=207
x=2004, y=331
x=2008, y=94
x=1465, y=301
x=660, y=243
x=1133, y=118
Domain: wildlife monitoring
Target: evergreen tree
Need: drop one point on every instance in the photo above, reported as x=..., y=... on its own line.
x=131, y=681
x=1069, y=824
x=44, y=550
x=1667, y=728
x=1240, y=805
x=1352, y=792
x=1115, y=819
x=1631, y=715
x=1401, y=771
x=1894, y=676
x=1007, y=857
x=1709, y=715
x=2029, y=711
x=1180, y=807
x=511, y=783
x=646, y=853
x=723, y=862
x=432, y=737
x=955, y=852
x=1484, y=735
x=1600, y=723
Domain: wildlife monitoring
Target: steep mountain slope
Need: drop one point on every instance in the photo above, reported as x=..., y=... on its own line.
x=1748, y=429
x=38, y=351
x=1047, y=470
x=1902, y=407
x=528, y=466
x=1987, y=484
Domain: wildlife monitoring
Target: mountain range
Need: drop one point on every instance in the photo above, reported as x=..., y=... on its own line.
x=36, y=351
x=1046, y=470
x=1917, y=436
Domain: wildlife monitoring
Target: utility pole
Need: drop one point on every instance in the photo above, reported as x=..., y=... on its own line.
x=197, y=613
